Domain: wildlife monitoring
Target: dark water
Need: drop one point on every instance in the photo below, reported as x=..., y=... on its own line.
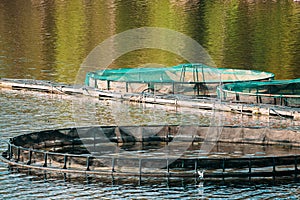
x=49, y=40
x=27, y=112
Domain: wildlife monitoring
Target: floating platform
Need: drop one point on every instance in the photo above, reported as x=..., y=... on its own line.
x=193, y=102
x=134, y=151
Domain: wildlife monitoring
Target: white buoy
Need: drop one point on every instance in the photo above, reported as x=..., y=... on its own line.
x=201, y=173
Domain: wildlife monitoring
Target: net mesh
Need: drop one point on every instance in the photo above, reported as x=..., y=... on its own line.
x=183, y=79
x=284, y=92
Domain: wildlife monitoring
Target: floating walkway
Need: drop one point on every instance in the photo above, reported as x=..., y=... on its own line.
x=98, y=150
x=177, y=100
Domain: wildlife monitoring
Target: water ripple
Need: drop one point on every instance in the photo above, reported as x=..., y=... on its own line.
x=19, y=115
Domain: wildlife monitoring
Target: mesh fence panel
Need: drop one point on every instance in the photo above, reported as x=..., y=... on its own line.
x=283, y=92
x=181, y=79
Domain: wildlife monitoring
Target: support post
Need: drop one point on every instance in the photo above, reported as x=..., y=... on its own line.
x=10, y=153
x=108, y=85
x=45, y=159
x=224, y=96
x=250, y=170
x=286, y=103
x=18, y=154
x=88, y=163
x=274, y=166
x=65, y=161
x=94, y=141
x=173, y=87
x=30, y=157
x=168, y=169
x=250, y=163
x=113, y=165
x=223, y=165
x=196, y=165
x=296, y=166
x=140, y=167
x=237, y=97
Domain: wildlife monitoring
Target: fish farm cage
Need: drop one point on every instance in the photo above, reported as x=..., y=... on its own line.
x=186, y=79
x=97, y=151
x=277, y=92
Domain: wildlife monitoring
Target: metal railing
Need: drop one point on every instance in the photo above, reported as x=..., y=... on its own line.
x=266, y=166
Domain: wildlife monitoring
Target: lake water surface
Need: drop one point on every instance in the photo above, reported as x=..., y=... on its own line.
x=49, y=40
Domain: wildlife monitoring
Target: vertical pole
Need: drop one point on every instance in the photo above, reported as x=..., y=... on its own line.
x=30, y=157
x=10, y=153
x=223, y=165
x=18, y=154
x=140, y=176
x=169, y=133
x=196, y=165
x=108, y=85
x=65, y=177
x=65, y=161
x=140, y=167
x=237, y=97
x=94, y=140
x=168, y=169
x=296, y=166
x=260, y=100
x=88, y=163
x=286, y=103
x=197, y=73
x=194, y=74
x=113, y=165
x=173, y=85
x=182, y=74
x=45, y=159
x=203, y=77
x=250, y=170
x=224, y=96
x=45, y=176
x=274, y=167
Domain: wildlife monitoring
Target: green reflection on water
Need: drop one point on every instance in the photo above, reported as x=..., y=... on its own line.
x=50, y=39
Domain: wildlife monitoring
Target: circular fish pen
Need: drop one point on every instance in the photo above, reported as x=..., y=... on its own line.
x=277, y=92
x=185, y=79
x=99, y=151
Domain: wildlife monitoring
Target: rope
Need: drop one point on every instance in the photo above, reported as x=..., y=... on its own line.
x=281, y=116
